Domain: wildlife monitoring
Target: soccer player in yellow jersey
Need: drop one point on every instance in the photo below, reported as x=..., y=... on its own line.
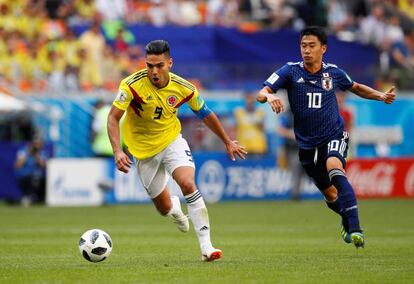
x=152, y=134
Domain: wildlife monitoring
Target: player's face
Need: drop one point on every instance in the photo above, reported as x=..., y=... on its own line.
x=311, y=49
x=158, y=66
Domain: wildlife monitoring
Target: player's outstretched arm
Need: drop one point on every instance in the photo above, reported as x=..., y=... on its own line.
x=369, y=93
x=232, y=147
x=266, y=95
x=122, y=161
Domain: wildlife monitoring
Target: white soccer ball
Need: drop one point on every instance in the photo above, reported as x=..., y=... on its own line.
x=95, y=245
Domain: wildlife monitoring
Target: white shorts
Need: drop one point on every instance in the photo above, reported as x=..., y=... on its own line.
x=155, y=172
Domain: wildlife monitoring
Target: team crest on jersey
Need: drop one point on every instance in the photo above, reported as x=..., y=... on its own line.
x=172, y=100
x=121, y=97
x=327, y=82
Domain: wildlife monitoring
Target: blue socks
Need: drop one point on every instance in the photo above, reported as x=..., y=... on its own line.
x=347, y=207
x=335, y=206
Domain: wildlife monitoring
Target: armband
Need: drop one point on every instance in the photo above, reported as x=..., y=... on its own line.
x=203, y=112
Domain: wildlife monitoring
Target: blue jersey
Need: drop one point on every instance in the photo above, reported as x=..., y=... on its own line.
x=312, y=100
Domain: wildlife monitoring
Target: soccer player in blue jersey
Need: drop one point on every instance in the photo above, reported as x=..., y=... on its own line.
x=318, y=126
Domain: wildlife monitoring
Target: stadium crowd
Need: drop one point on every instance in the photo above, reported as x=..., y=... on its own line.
x=39, y=50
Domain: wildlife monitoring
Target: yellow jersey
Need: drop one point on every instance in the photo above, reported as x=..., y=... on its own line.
x=151, y=121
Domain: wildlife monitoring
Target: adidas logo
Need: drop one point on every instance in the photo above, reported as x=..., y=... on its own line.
x=300, y=80
x=203, y=228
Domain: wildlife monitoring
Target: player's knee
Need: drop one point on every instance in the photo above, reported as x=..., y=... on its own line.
x=163, y=204
x=333, y=163
x=188, y=186
x=331, y=194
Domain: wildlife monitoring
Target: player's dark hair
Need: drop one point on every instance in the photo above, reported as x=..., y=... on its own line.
x=158, y=47
x=319, y=32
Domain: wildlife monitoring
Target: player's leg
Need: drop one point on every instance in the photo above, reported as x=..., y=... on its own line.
x=179, y=162
x=154, y=178
x=335, y=164
x=315, y=168
x=348, y=200
x=170, y=206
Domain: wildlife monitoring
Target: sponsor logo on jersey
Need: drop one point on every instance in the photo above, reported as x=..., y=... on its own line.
x=172, y=100
x=326, y=82
x=300, y=80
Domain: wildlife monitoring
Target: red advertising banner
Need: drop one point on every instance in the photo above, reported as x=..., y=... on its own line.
x=382, y=177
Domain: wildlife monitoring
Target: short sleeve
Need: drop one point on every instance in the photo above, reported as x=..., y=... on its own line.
x=195, y=101
x=344, y=81
x=279, y=79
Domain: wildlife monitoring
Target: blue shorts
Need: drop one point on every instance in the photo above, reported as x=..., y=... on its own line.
x=314, y=160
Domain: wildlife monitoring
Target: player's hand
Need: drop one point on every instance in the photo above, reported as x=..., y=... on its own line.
x=275, y=102
x=389, y=96
x=122, y=161
x=234, y=149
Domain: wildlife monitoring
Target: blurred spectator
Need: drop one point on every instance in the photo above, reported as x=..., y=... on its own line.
x=158, y=13
x=250, y=126
x=393, y=30
x=111, y=69
x=372, y=28
x=401, y=54
x=30, y=168
x=282, y=14
x=85, y=10
x=313, y=12
x=186, y=13
x=407, y=7
x=288, y=153
x=121, y=43
x=222, y=13
x=255, y=10
x=111, y=9
x=92, y=43
x=68, y=48
x=101, y=145
x=339, y=18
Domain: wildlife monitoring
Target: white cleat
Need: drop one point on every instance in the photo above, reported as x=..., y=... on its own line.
x=211, y=254
x=180, y=219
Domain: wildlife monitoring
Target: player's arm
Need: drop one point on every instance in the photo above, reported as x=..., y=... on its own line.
x=122, y=161
x=367, y=92
x=266, y=95
x=211, y=120
x=232, y=147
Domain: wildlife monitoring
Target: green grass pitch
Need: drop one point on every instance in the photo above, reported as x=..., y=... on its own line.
x=262, y=242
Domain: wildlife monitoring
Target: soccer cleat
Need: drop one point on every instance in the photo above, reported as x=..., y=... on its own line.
x=180, y=219
x=357, y=238
x=211, y=254
x=345, y=235
x=344, y=232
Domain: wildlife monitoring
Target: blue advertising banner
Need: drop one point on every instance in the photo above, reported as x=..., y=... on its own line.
x=257, y=177
x=220, y=179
